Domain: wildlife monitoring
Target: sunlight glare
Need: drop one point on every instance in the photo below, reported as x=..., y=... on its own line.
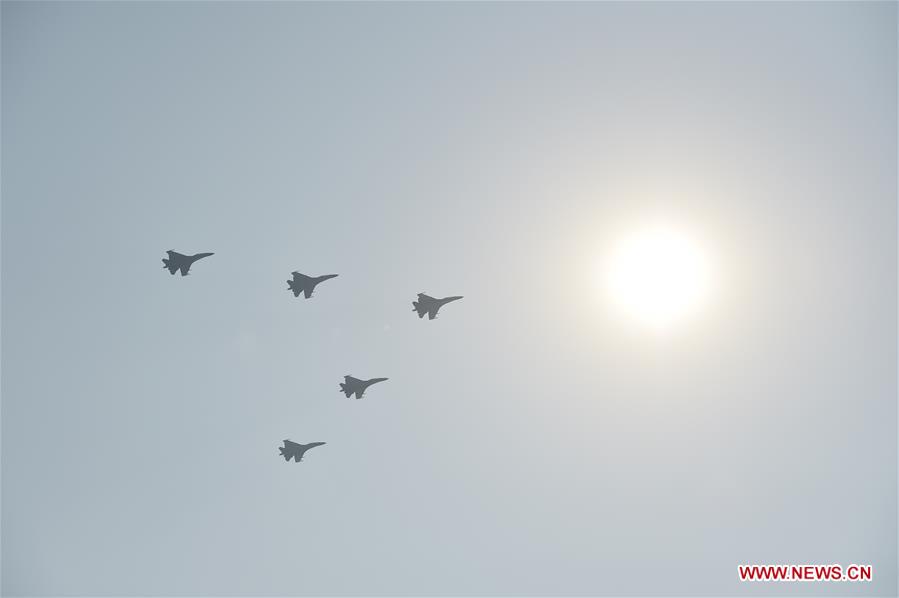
x=658, y=276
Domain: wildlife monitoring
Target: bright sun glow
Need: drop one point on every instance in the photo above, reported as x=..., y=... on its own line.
x=658, y=276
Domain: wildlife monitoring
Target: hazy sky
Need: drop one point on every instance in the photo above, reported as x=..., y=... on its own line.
x=529, y=441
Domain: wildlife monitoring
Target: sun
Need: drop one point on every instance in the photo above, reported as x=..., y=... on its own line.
x=658, y=276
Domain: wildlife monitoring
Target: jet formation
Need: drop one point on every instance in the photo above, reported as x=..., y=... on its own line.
x=300, y=283
x=177, y=261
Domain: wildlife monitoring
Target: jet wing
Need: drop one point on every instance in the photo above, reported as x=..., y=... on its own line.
x=432, y=311
x=307, y=292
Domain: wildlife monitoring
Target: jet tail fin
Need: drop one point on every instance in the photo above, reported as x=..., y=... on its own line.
x=417, y=307
x=346, y=390
x=167, y=263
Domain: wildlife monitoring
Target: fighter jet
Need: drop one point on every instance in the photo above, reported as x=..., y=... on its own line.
x=295, y=451
x=305, y=284
x=430, y=305
x=356, y=386
x=177, y=261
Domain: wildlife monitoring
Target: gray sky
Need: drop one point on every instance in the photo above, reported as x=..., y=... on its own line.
x=528, y=442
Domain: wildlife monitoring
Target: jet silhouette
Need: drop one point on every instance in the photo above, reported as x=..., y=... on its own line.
x=356, y=386
x=295, y=451
x=430, y=305
x=177, y=261
x=305, y=284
